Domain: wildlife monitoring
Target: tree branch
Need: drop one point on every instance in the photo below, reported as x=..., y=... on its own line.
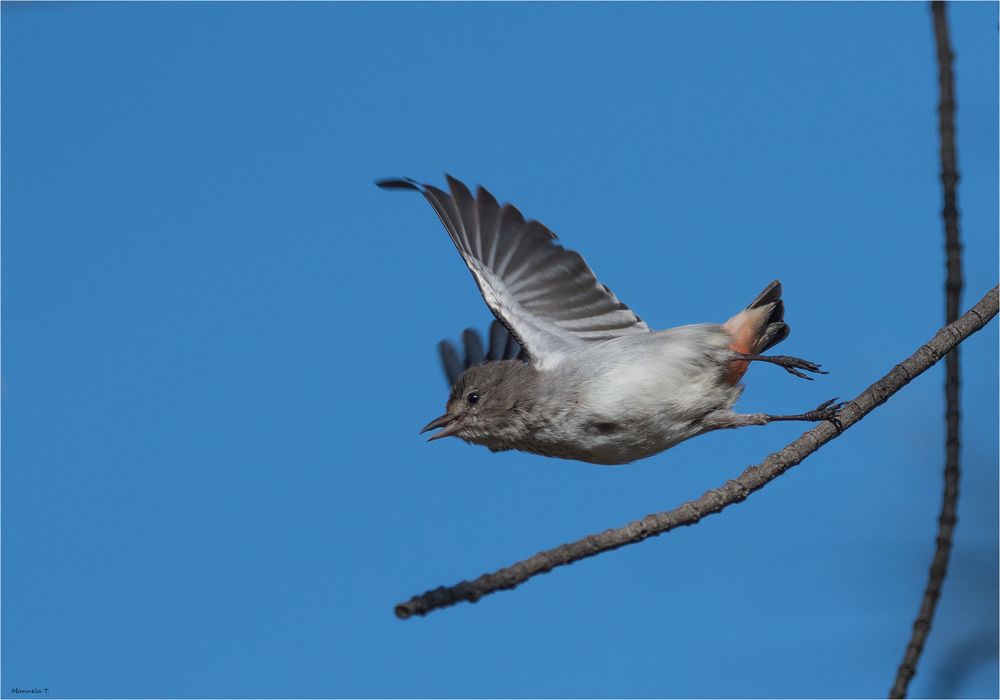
x=953, y=290
x=732, y=491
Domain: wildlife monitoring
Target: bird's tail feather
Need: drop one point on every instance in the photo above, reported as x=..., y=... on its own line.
x=766, y=316
x=758, y=327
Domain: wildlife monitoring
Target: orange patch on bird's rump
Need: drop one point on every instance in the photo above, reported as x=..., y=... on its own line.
x=744, y=328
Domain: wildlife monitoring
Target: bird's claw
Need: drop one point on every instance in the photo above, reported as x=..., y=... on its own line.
x=792, y=365
x=828, y=411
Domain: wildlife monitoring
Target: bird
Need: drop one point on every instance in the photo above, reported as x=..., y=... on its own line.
x=571, y=371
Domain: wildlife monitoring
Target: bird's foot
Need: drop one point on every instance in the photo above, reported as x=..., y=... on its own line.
x=792, y=365
x=825, y=411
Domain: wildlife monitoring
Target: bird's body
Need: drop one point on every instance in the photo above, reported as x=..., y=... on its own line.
x=593, y=382
x=629, y=397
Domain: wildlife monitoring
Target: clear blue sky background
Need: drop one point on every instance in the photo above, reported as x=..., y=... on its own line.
x=219, y=344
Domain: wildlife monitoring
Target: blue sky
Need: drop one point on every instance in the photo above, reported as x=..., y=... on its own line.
x=219, y=345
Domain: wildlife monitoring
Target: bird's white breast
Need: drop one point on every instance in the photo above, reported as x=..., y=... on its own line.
x=638, y=395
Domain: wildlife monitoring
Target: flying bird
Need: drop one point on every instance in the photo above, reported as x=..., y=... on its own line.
x=572, y=372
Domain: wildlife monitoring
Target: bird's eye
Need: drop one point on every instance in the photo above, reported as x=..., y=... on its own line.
x=472, y=398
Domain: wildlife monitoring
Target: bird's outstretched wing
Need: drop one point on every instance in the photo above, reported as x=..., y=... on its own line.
x=545, y=295
x=503, y=346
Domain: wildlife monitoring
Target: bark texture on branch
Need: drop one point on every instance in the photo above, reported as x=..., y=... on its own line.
x=952, y=291
x=733, y=491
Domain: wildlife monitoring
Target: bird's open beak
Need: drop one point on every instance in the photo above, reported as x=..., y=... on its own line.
x=448, y=422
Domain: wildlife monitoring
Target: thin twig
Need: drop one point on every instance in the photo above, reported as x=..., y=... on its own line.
x=953, y=291
x=733, y=491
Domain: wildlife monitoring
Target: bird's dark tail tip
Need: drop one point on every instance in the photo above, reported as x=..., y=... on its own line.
x=770, y=324
x=771, y=292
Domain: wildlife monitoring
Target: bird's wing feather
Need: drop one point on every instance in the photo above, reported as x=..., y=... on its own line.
x=502, y=346
x=545, y=295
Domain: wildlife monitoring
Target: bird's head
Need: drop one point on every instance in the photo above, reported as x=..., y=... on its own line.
x=488, y=403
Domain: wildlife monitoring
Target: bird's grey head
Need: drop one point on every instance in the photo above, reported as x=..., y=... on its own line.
x=489, y=404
